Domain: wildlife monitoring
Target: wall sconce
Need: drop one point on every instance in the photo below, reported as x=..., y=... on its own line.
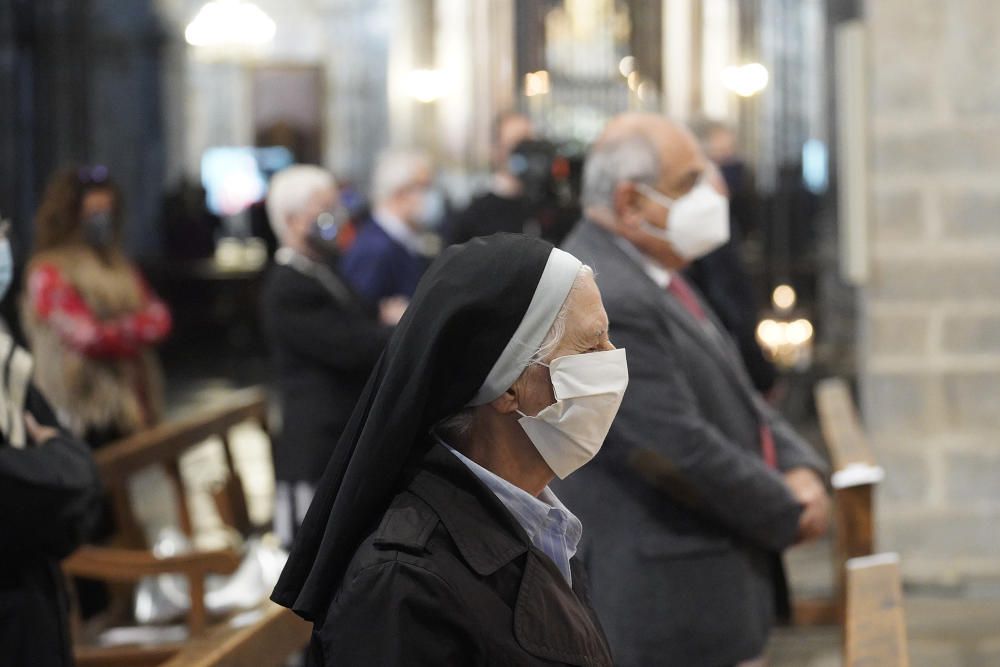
x=426, y=85
x=536, y=83
x=745, y=80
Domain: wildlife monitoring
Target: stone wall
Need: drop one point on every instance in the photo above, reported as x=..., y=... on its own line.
x=930, y=325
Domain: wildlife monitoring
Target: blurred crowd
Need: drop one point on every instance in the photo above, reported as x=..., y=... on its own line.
x=657, y=210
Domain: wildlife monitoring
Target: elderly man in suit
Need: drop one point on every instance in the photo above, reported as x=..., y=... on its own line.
x=700, y=485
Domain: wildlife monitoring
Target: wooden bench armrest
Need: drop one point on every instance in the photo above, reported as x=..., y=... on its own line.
x=127, y=565
x=272, y=635
x=875, y=627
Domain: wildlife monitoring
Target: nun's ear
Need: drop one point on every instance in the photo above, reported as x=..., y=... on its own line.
x=506, y=403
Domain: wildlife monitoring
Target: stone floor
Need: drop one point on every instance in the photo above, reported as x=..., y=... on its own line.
x=944, y=630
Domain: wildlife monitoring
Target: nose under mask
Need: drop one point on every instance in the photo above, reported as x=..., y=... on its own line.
x=588, y=389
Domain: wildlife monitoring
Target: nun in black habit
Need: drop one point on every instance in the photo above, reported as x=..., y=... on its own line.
x=433, y=538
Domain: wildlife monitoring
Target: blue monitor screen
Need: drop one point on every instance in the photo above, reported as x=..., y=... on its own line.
x=235, y=177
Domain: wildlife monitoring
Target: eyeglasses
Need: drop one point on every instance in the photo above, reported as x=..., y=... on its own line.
x=96, y=174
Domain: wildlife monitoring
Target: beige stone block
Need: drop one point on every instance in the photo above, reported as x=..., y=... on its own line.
x=957, y=533
x=897, y=334
x=972, y=400
x=898, y=402
x=899, y=216
x=907, y=476
x=971, y=334
x=937, y=151
x=974, y=476
x=935, y=279
x=971, y=215
x=971, y=53
x=906, y=39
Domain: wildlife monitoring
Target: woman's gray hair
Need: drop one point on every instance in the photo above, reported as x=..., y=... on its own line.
x=627, y=159
x=460, y=424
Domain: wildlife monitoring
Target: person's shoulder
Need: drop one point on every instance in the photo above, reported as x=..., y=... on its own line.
x=282, y=282
x=370, y=243
x=407, y=543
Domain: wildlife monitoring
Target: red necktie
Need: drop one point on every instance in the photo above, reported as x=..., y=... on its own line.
x=683, y=293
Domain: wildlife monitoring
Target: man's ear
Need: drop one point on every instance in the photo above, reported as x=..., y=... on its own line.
x=507, y=403
x=626, y=203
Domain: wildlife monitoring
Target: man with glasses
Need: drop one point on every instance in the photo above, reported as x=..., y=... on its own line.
x=700, y=485
x=324, y=339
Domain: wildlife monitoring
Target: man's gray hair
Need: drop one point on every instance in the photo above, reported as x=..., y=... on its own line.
x=395, y=170
x=460, y=424
x=290, y=190
x=630, y=158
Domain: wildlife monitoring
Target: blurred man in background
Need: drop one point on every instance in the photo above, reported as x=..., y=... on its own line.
x=502, y=208
x=324, y=338
x=392, y=249
x=700, y=485
x=721, y=275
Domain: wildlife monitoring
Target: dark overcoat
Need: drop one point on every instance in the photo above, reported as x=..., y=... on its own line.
x=448, y=577
x=49, y=499
x=324, y=343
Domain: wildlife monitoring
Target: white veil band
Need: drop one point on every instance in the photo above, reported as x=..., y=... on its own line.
x=554, y=286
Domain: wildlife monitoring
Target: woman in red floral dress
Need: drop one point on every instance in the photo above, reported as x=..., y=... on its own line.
x=90, y=317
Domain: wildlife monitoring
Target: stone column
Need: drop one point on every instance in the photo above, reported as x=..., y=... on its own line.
x=930, y=317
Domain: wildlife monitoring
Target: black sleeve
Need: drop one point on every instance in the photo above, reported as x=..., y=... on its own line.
x=306, y=320
x=396, y=613
x=49, y=493
x=665, y=440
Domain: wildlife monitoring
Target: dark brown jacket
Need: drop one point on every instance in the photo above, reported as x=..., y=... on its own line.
x=450, y=578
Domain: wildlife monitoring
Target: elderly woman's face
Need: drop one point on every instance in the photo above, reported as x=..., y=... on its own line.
x=586, y=331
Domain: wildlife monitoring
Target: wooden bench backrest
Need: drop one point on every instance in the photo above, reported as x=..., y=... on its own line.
x=875, y=627
x=855, y=474
x=164, y=445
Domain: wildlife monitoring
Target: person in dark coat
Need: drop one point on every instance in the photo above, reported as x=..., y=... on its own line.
x=324, y=339
x=701, y=485
x=49, y=501
x=393, y=246
x=503, y=207
x=434, y=538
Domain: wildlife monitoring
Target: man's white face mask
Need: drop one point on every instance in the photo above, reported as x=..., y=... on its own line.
x=698, y=222
x=588, y=390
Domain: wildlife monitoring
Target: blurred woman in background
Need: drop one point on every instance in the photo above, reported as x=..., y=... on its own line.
x=91, y=319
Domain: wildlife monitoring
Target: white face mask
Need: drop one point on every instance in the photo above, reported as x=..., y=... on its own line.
x=698, y=222
x=588, y=390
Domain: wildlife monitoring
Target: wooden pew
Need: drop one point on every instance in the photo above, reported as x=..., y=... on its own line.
x=875, y=625
x=128, y=559
x=855, y=476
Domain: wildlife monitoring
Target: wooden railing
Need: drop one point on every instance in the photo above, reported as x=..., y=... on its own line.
x=855, y=476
